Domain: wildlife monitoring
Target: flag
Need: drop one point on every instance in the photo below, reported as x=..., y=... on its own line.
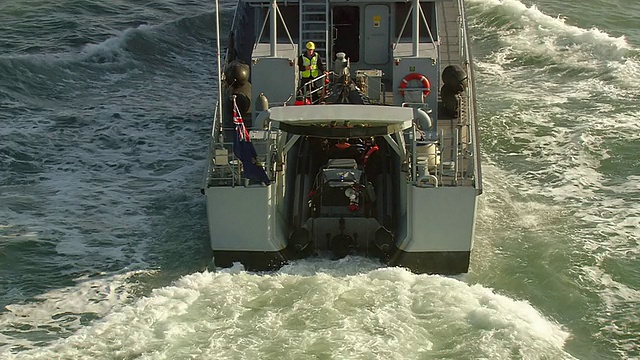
x=244, y=150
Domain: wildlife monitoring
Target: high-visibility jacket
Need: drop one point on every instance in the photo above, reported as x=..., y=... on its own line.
x=313, y=63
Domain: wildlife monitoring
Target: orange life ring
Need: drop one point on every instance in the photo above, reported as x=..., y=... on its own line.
x=415, y=76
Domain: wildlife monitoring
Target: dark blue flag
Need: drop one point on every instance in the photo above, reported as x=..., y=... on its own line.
x=244, y=150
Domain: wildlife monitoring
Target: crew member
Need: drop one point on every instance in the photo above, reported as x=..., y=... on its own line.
x=311, y=66
x=372, y=159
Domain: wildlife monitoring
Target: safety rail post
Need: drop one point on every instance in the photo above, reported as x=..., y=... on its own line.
x=414, y=161
x=456, y=158
x=441, y=165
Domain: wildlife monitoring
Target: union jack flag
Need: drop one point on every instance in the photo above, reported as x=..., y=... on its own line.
x=244, y=150
x=243, y=133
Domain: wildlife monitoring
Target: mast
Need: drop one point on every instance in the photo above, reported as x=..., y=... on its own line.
x=416, y=27
x=274, y=26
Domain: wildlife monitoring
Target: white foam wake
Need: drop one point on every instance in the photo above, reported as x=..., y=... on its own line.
x=383, y=313
x=61, y=312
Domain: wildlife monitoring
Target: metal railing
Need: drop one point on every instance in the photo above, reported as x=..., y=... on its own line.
x=316, y=90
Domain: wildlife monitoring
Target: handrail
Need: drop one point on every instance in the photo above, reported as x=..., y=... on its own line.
x=471, y=96
x=425, y=180
x=308, y=88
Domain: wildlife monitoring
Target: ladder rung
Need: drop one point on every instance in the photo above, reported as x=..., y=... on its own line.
x=313, y=22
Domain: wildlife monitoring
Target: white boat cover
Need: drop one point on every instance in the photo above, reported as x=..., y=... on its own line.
x=393, y=117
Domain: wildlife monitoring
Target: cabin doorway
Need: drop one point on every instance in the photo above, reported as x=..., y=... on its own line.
x=346, y=32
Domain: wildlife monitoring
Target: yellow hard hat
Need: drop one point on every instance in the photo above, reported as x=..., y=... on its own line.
x=311, y=45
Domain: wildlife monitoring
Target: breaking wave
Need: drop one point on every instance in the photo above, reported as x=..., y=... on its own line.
x=341, y=311
x=524, y=37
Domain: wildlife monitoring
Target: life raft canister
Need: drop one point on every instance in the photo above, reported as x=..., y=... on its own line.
x=415, y=76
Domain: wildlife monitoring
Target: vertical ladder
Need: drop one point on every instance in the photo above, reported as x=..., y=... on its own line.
x=314, y=25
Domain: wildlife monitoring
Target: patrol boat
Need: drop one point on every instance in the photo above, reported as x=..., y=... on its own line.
x=378, y=156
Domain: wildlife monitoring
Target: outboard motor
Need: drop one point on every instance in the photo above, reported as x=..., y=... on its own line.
x=341, y=190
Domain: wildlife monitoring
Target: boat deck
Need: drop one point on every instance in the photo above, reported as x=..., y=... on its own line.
x=450, y=53
x=454, y=133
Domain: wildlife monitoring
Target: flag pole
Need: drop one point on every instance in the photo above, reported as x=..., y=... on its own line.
x=219, y=115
